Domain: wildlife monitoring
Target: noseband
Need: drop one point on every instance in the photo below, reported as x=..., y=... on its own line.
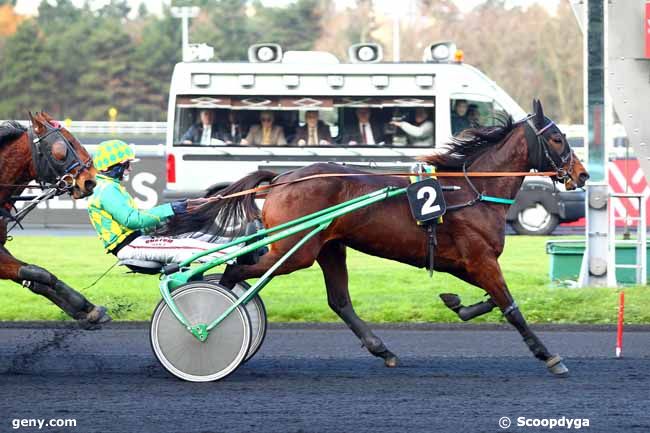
x=540, y=154
x=51, y=172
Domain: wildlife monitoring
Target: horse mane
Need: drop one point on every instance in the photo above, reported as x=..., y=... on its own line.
x=466, y=147
x=10, y=130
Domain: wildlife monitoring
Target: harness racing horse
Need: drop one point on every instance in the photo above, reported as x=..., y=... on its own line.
x=49, y=154
x=469, y=241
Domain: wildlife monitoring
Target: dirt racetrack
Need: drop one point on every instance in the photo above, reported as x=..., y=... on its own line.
x=317, y=379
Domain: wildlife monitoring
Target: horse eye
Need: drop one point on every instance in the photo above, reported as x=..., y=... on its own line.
x=59, y=150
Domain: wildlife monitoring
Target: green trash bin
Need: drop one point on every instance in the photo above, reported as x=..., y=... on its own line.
x=566, y=259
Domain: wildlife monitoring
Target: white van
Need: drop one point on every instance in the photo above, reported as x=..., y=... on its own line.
x=234, y=98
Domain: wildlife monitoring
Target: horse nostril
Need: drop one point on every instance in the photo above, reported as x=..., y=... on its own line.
x=89, y=185
x=583, y=178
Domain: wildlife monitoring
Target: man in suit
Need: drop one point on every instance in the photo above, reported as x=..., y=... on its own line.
x=363, y=131
x=313, y=133
x=265, y=133
x=205, y=133
x=231, y=133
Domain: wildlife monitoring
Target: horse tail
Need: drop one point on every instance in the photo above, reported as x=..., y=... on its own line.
x=225, y=217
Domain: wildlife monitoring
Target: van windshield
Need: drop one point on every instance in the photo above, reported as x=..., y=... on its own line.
x=304, y=121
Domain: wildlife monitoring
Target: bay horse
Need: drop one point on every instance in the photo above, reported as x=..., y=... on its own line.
x=470, y=239
x=49, y=154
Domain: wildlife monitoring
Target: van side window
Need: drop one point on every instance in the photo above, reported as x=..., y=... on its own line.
x=398, y=121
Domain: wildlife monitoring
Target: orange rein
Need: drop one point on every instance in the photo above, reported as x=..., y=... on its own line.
x=439, y=174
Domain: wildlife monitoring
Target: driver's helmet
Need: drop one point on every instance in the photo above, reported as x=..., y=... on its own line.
x=112, y=152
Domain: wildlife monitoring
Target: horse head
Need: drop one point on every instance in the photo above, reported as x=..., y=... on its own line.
x=59, y=157
x=549, y=150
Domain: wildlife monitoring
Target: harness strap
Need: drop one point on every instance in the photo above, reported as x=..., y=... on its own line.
x=499, y=200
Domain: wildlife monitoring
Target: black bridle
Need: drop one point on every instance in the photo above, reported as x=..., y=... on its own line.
x=50, y=171
x=55, y=177
x=541, y=156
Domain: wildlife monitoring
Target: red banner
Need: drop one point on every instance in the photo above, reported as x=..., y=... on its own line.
x=646, y=28
x=625, y=175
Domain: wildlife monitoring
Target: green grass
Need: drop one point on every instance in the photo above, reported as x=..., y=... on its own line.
x=382, y=291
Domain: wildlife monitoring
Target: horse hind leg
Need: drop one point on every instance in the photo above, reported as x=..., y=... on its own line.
x=332, y=261
x=303, y=258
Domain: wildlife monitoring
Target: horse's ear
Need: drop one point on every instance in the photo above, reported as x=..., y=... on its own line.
x=37, y=124
x=539, y=114
x=49, y=119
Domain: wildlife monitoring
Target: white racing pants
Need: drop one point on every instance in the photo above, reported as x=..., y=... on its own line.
x=170, y=250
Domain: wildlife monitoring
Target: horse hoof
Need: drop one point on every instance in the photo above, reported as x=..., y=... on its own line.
x=95, y=319
x=451, y=301
x=391, y=361
x=557, y=367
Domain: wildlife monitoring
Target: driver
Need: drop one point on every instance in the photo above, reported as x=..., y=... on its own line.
x=123, y=227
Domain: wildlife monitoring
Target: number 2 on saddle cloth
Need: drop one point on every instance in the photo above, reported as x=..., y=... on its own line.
x=428, y=205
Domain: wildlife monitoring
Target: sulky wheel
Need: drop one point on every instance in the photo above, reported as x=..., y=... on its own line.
x=256, y=312
x=181, y=353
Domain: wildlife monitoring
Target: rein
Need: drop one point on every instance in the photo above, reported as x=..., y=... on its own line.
x=464, y=174
x=21, y=214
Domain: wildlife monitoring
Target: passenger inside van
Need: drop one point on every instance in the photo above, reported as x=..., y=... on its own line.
x=266, y=133
x=420, y=133
x=474, y=116
x=459, y=120
x=231, y=130
x=314, y=133
x=364, y=130
x=205, y=132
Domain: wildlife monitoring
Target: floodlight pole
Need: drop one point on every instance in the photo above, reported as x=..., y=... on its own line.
x=185, y=13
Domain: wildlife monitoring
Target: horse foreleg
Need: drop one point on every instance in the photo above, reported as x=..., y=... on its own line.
x=332, y=261
x=468, y=312
x=44, y=283
x=487, y=274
